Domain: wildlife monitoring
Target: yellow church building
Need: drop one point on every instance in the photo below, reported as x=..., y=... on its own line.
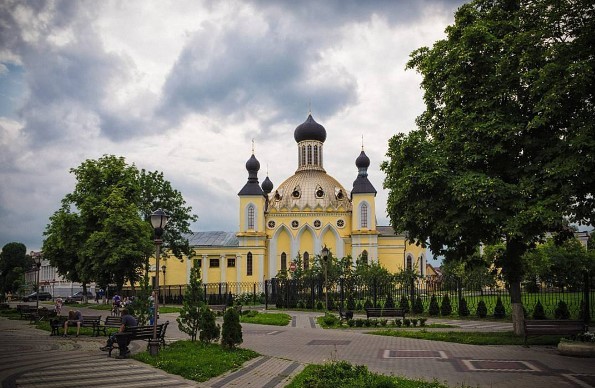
x=306, y=212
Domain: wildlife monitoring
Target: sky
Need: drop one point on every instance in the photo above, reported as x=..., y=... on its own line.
x=183, y=87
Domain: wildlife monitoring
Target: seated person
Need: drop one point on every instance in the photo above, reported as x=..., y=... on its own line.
x=74, y=317
x=119, y=337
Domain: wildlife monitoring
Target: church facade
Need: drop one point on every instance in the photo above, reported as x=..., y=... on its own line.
x=298, y=218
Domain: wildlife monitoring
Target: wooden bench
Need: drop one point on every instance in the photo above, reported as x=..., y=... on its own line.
x=57, y=323
x=26, y=311
x=537, y=327
x=110, y=323
x=345, y=315
x=41, y=314
x=135, y=333
x=377, y=312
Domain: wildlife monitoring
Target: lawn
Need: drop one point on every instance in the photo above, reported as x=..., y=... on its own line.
x=275, y=319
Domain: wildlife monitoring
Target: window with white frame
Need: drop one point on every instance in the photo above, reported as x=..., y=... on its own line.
x=251, y=217
x=364, y=215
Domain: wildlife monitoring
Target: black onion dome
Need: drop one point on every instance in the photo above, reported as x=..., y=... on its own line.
x=267, y=185
x=309, y=130
x=252, y=165
x=362, y=160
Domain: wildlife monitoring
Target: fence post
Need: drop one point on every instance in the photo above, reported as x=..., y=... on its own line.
x=266, y=294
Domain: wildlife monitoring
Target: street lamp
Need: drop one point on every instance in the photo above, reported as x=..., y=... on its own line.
x=158, y=220
x=325, y=260
x=163, y=268
x=37, y=259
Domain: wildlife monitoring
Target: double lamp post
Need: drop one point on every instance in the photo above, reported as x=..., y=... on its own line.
x=158, y=220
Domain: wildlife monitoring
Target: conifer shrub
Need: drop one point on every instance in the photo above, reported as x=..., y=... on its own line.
x=209, y=329
x=562, y=311
x=422, y=321
x=359, y=306
x=368, y=304
x=418, y=306
x=404, y=304
x=482, y=309
x=319, y=305
x=406, y=322
x=445, y=306
x=434, y=310
x=350, y=302
x=581, y=311
x=499, y=311
x=231, y=332
x=538, y=311
x=389, y=303
x=189, y=319
x=398, y=322
x=463, y=309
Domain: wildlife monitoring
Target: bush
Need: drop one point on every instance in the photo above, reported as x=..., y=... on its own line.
x=383, y=322
x=414, y=322
x=422, y=321
x=406, y=322
x=368, y=304
x=331, y=319
x=499, y=311
x=301, y=305
x=350, y=322
x=463, y=309
x=319, y=305
x=404, y=304
x=562, y=311
x=231, y=334
x=418, y=306
x=359, y=322
x=389, y=303
x=434, y=310
x=538, y=311
x=445, y=306
x=209, y=330
x=482, y=310
x=367, y=322
x=398, y=322
x=359, y=306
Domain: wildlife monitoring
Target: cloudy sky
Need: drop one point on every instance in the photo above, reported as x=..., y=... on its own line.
x=183, y=86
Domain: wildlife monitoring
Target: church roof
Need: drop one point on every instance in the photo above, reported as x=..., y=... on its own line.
x=213, y=239
x=389, y=231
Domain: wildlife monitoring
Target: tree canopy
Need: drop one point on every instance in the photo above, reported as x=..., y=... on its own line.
x=102, y=232
x=14, y=262
x=505, y=150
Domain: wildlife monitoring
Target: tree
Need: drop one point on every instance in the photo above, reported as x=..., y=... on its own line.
x=102, y=232
x=231, y=333
x=14, y=261
x=209, y=329
x=500, y=151
x=190, y=315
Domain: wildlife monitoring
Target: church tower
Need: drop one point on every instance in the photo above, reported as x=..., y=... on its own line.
x=363, y=198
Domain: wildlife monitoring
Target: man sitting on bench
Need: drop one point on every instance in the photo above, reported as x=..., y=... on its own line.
x=74, y=318
x=122, y=340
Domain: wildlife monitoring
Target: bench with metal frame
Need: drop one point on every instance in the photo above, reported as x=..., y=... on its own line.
x=377, y=312
x=563, y=327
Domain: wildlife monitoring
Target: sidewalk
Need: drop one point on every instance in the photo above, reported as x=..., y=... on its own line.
x=30, y=356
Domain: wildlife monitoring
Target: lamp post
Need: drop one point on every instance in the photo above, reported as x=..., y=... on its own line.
x=37, y=259
x=158, y=221
x=325, y=260
x=163, y=268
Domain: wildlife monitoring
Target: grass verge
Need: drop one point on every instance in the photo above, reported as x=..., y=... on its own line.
x=275, y=319
x=197, y=361
x=469, y=338
x=341, y=374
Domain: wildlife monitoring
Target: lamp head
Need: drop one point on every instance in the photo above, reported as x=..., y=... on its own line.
x=325, y=252
x=158, y=220
x=163, y=268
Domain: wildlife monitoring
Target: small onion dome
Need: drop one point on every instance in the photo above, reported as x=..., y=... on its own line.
x=362, y=161
x=267, y=185
x=309, y=130
x=252, y=165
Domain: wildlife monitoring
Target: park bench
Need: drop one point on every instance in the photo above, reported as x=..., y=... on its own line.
x=538, y=327
x=345, y=315
x=57, y=323
x=4, y=306
x=41, y=314
x=26, y=311
x=92, y=321
x=145, y=333
x=377, y=312
x=110, y=323
x=220, y=308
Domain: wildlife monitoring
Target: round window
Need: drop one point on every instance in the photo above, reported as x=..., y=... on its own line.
x=295, y=224
x=295, y=194
x=319, y=193
x=317, y=223
x=271, y=224
x=340, y=223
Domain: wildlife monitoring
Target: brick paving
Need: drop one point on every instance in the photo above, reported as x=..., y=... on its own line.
x=30, y=358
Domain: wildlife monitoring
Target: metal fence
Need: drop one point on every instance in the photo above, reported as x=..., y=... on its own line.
x=351, y=294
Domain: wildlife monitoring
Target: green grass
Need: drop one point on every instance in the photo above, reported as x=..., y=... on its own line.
x=343, y=375
x=197, y=361
x=469, y=338
x=10, y=314
x=169, y=309
x=275, y=319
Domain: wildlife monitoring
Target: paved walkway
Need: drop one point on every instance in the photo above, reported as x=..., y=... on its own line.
x=31, y=358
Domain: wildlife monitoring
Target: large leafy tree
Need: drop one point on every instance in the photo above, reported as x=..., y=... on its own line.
x=14, y=261
x=101, y=232
x=505, y=150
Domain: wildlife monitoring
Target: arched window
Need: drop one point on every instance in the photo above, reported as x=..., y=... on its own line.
x=303, y=161
x=309, y=155
x=316, y=155
x=249, y=264
x=364, y=257
x=364, y=215
x=409, y=263
x=306, y=260
x=251, y=217
x=283, y=261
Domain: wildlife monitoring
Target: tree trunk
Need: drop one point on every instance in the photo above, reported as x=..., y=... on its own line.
x=518, y=315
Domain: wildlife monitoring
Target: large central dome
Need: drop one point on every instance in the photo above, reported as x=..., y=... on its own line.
x=309, y=130
x=310, y=190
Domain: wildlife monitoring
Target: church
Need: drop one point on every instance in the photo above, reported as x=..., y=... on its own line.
x=299, y=217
